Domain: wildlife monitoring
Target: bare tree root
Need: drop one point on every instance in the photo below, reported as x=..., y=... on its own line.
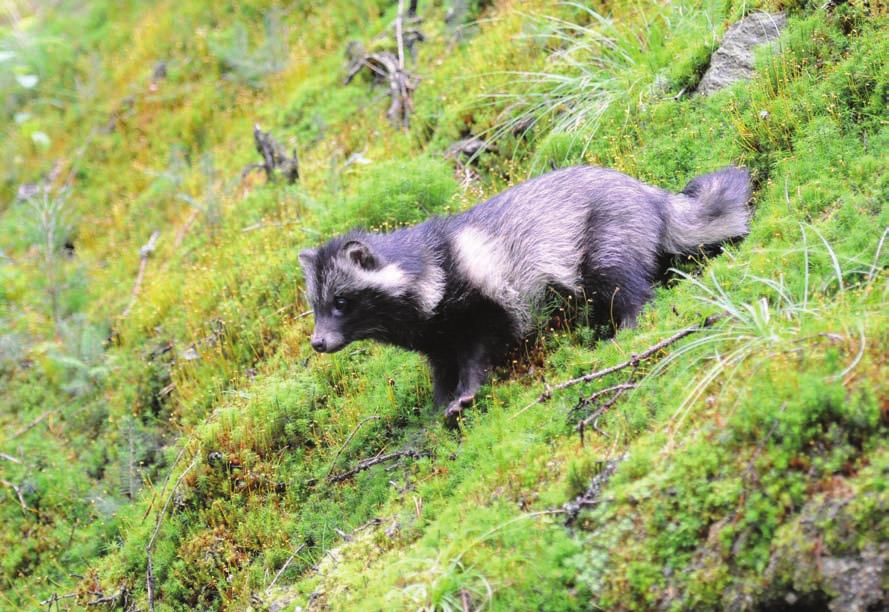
x=389, y=67
x=274, y=158
x=366, y=464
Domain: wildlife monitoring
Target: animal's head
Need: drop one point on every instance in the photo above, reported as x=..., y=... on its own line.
x=355, y=293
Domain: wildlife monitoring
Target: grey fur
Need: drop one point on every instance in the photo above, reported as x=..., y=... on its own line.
x=585, y=231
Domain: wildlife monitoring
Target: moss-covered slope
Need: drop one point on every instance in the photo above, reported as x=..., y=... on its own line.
x=170, y=440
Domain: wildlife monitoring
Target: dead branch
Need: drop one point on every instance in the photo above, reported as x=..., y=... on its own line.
x=183, y=230
x=349, y=439
x=10, y=458
x=366, y=464
x=256, y=226
x=585, y=401
x=274, y=158
x=465, y=600
x=55, y=598
x=617, y=391
x=144, y=253
x=399, y=34
x=111, y=600
x=592, y=495
x=166, y=483
x=30, y=425
x=18, y=493
x=286, y=565
x=633, y=361
x=149, y=570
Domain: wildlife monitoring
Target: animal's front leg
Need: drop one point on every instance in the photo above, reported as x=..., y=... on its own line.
x=445, y=377
x=473, y=372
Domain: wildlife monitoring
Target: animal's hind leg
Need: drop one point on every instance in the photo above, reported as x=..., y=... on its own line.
x=620, y=295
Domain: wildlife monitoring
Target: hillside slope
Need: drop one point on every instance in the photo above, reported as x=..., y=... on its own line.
x=170, y=441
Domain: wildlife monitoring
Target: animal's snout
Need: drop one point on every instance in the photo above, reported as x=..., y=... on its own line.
x=319, y=343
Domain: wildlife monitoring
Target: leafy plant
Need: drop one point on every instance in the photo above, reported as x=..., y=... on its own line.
x=51, y=229
x=768, y=324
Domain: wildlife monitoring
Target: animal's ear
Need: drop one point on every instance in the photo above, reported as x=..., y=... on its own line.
x=307, y=258
x=360, y=254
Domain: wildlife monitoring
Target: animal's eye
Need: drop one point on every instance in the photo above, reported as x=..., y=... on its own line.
x=340, y=304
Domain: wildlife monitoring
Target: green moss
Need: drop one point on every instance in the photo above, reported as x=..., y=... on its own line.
x=756, y=449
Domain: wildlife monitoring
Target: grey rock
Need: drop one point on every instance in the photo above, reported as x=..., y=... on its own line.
x=733, y=60
x=857, y=580
x=468, y=147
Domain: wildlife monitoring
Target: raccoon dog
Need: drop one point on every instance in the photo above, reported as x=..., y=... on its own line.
x=462, y=290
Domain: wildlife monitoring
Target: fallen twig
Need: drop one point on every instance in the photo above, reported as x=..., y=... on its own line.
x=149, y=571
x=30, y=425
x=10, y=458
x=121, y=596
x=183, y=230
x=634, y=360
x=622, y=387
x=366, y=464
x=256, y=226
x=55, y=598
x=349, y=439
x=592, y=495
x=617, y=391
x=286, y=565
x=144, y=253
x=18, y=493
x=166, y=483
x=399, y=34
x=465, y=600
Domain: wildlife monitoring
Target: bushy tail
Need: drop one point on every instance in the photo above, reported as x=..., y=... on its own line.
x=711, y=209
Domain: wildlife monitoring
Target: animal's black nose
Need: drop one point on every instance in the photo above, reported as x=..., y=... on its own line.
x=319, y=344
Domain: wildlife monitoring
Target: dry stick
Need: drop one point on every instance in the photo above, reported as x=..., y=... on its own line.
x=349, y=439
x=366, y=464
x=616, y=388
x=110, y=599
x=56, y=598
x=166, y=482
x=399, y=34
x=634, y=360
x=465, y=601
x=286, y=565
x=618, y=391
x=18, y=493
x=10, y=458
x=256, y=226
x=180, y=235
x=144, y=253
x=149, y=571
x=30, y=425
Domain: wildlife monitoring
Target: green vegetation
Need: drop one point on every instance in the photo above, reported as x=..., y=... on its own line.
x=185, y=418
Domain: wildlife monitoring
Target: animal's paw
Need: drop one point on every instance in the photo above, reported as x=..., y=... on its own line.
x=455, y=410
